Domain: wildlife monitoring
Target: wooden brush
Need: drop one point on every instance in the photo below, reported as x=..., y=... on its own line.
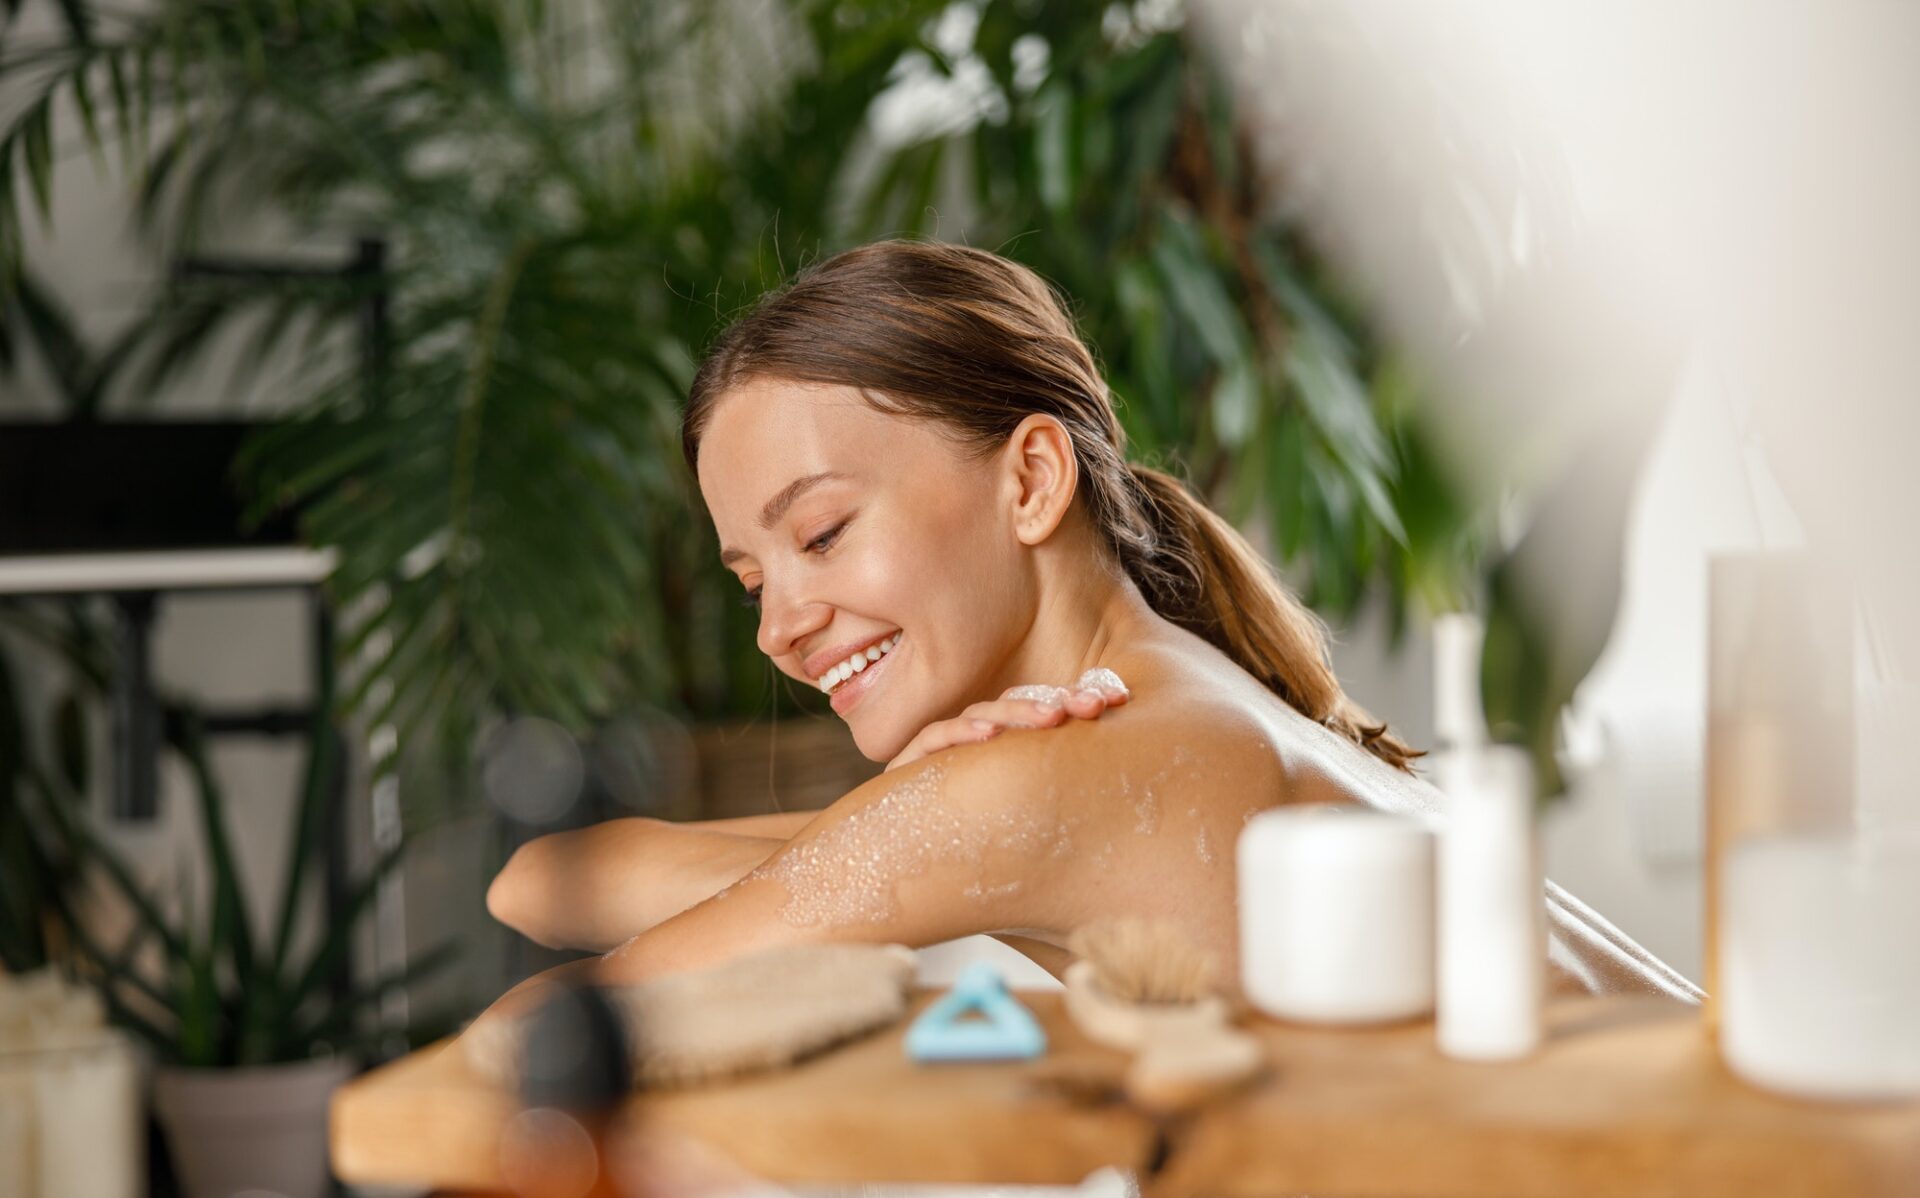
x=1134, y=974
x=764, y=1010
x=1141, y=985
x=1145, y=961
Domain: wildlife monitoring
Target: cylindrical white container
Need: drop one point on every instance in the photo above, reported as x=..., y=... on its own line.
x=1492, y=925
x=1336, y=914
x=72, y=1114
x=92, y=1120
x=1820, y=964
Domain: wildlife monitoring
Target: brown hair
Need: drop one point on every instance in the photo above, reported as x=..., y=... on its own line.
x=977, y=343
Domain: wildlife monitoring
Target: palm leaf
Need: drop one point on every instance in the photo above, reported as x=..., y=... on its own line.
x=343, y=1014
x=231, y=932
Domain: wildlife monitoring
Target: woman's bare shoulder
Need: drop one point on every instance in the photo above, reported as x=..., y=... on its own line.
x=1200, y=744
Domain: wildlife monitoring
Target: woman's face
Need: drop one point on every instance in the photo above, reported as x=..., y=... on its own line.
x=852, y=525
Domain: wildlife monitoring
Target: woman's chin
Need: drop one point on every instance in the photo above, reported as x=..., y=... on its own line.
x=880, y=747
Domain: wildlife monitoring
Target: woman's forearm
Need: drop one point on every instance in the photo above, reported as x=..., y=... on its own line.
x=597, y=887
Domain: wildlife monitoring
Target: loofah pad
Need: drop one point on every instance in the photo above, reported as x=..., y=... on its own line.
x=756, y=1012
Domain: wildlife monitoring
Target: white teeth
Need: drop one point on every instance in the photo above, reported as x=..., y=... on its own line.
x=831, y=680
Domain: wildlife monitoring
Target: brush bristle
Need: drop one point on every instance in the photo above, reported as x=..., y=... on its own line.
x=1145, y=960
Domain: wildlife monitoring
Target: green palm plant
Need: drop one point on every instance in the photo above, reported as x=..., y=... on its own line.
x=577, y=196
x=1122, y=173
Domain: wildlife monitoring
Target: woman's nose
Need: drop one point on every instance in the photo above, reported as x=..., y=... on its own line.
x=783, y=622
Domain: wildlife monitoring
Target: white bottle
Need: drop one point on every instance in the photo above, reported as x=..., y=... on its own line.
x=1491, y=912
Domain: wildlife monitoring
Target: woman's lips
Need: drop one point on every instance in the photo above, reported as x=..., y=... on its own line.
x=847, y=696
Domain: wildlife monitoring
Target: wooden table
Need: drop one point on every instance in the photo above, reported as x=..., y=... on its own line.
x=862, y=1112
x=1625, y=1097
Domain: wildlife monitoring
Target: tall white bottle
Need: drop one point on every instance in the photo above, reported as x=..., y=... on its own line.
x=1491, y=912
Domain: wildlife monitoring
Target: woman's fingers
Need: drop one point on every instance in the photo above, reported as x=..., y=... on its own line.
x=942, y=734
x=1019, y=707
x=1034, y=712
x=1085, y=702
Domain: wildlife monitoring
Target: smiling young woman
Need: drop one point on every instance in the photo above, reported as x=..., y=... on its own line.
x=914, y=468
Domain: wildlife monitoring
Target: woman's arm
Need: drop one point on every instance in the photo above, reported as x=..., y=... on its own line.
x=598, y=887
x=967, y=841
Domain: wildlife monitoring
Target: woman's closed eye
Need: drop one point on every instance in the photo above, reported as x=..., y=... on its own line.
x=819, y=544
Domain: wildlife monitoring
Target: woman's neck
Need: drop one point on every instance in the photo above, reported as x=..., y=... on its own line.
x=1086, y=619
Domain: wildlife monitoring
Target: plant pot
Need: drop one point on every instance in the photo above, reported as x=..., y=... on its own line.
x=258, y=1129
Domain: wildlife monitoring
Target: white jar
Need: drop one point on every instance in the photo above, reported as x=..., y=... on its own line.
x=1336, y=914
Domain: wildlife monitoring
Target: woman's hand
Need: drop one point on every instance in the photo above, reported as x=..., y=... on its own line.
x=1019, y=707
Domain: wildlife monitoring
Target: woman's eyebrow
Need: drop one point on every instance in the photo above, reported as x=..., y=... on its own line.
x=778, y=505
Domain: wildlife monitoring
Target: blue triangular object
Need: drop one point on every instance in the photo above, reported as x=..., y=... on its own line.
x=1007, y=1031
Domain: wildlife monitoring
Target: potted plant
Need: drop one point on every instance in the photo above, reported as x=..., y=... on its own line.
x=249, y=1034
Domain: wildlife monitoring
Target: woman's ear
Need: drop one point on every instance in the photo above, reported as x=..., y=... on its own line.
x=1043, y=473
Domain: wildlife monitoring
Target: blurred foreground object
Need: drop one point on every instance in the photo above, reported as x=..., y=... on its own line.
x=1813, y=867
x=1336, y=913
x=1490, y=923
x=573, y=1076
x=1552, y=247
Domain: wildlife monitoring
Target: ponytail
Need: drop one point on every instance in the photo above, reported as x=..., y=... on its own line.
x=1199, y=572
